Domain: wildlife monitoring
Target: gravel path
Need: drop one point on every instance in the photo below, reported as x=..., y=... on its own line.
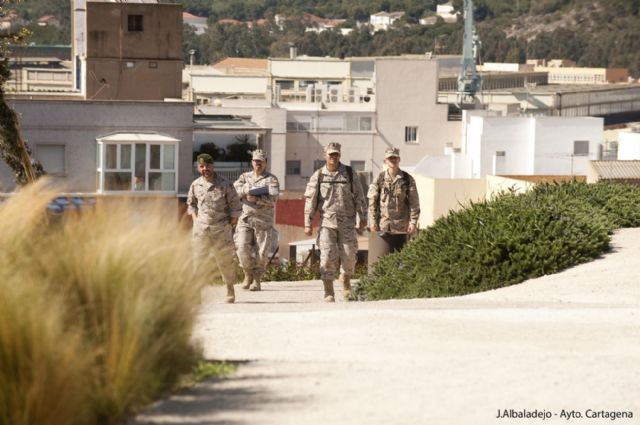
x=568, y=342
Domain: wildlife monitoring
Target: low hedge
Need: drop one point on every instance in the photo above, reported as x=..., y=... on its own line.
x=505, y=241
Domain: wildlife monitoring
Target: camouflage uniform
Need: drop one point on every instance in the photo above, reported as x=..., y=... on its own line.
x=393, y=202
x=254, y=233
x=215, y=204
x=338, y=198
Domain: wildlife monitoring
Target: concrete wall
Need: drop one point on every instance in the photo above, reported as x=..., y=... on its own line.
x=108, y=35
x=406, y=96
x=133, y=65
x=628, y=145
x=77, y=124
x=203, y=84
x=311, y=69
x=511, y=135
x=554, y=144
x=497, y=185
x=440, y=196
x=138, y=79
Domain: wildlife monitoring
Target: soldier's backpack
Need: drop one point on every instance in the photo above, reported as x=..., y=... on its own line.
x=349, y=179
x=405, y=177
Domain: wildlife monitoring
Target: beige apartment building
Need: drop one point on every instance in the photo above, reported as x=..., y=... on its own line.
x=301, y=104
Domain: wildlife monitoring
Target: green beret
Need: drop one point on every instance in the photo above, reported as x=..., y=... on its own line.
x=205, y=158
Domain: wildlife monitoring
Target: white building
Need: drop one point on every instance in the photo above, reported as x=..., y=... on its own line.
x=198, y=23
x=447, y=12
x=519, y=146
x=381, y=21
x=629, y=144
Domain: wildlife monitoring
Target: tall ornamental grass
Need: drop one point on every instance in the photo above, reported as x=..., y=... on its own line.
x=505, y=241
x=96, y=312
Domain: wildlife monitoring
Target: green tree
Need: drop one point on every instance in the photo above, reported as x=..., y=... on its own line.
x=13, y=149
x=241, y=148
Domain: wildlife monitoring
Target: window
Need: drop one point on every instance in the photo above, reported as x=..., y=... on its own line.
x=53, y=159
x=293, y=168
x=365, y=124
x=135, y=23
x=285, y=84
x=581, y=148
x=411, y=134
x=142, y=167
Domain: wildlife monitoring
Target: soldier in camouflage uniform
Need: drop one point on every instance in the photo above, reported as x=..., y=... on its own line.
x=394, y=207
x=214, y=207
x=258, y=190
x=335, y=191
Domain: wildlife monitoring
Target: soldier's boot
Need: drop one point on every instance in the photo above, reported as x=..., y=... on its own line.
x=255, y=286
x=248, y=278
x=231, y=294
x=329, y=296
x=346, y=287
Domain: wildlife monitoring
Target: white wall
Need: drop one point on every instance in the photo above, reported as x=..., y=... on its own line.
x=513, y=135
x=628, y=146
x=554, y=140
x=211, y=83
x=532, y=145
x=312, y=69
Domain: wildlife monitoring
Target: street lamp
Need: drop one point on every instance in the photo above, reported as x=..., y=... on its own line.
x=192, y=53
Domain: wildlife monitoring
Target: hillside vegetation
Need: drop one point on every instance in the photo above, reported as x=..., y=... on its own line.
x=595, y=33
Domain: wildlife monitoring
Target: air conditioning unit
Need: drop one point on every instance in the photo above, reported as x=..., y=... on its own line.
x=334, y=95
x=353, y=95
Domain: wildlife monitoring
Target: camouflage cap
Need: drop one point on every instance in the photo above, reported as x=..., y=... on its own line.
x=204, y=158
x=333, y=147
x=391, y=152
x=259, y=154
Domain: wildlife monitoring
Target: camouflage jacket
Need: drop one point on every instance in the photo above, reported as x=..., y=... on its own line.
x=214, y=203
x=337, y=196
x=261, y=214
x=393, y=202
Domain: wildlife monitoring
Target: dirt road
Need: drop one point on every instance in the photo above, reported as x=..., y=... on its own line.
x=565, y=346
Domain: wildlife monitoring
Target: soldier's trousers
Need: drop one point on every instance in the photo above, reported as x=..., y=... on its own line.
x=253, y=248
x=213, y=251
x=338, y=247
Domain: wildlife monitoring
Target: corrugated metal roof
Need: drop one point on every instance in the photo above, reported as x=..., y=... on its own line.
x=614, y=170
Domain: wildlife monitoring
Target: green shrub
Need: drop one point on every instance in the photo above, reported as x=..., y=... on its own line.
x=292, y=271
x=502, y=242
x=121, y=280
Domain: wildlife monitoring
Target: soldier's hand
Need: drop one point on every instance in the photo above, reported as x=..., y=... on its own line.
x=233, y=221
x=374, y=228
x=411, y=229
x=308, y=231
x=362, y=226
x=252, y=199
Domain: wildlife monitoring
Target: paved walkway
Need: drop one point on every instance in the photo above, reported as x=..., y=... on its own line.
x=567, y=341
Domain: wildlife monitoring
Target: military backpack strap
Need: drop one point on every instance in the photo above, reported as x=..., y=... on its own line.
x=407, y=181
x=350, y=176
x=320, y=176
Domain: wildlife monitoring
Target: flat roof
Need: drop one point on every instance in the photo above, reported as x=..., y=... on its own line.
x=568, y=88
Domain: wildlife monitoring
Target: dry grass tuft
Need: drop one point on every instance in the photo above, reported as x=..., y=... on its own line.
x=103, y=301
